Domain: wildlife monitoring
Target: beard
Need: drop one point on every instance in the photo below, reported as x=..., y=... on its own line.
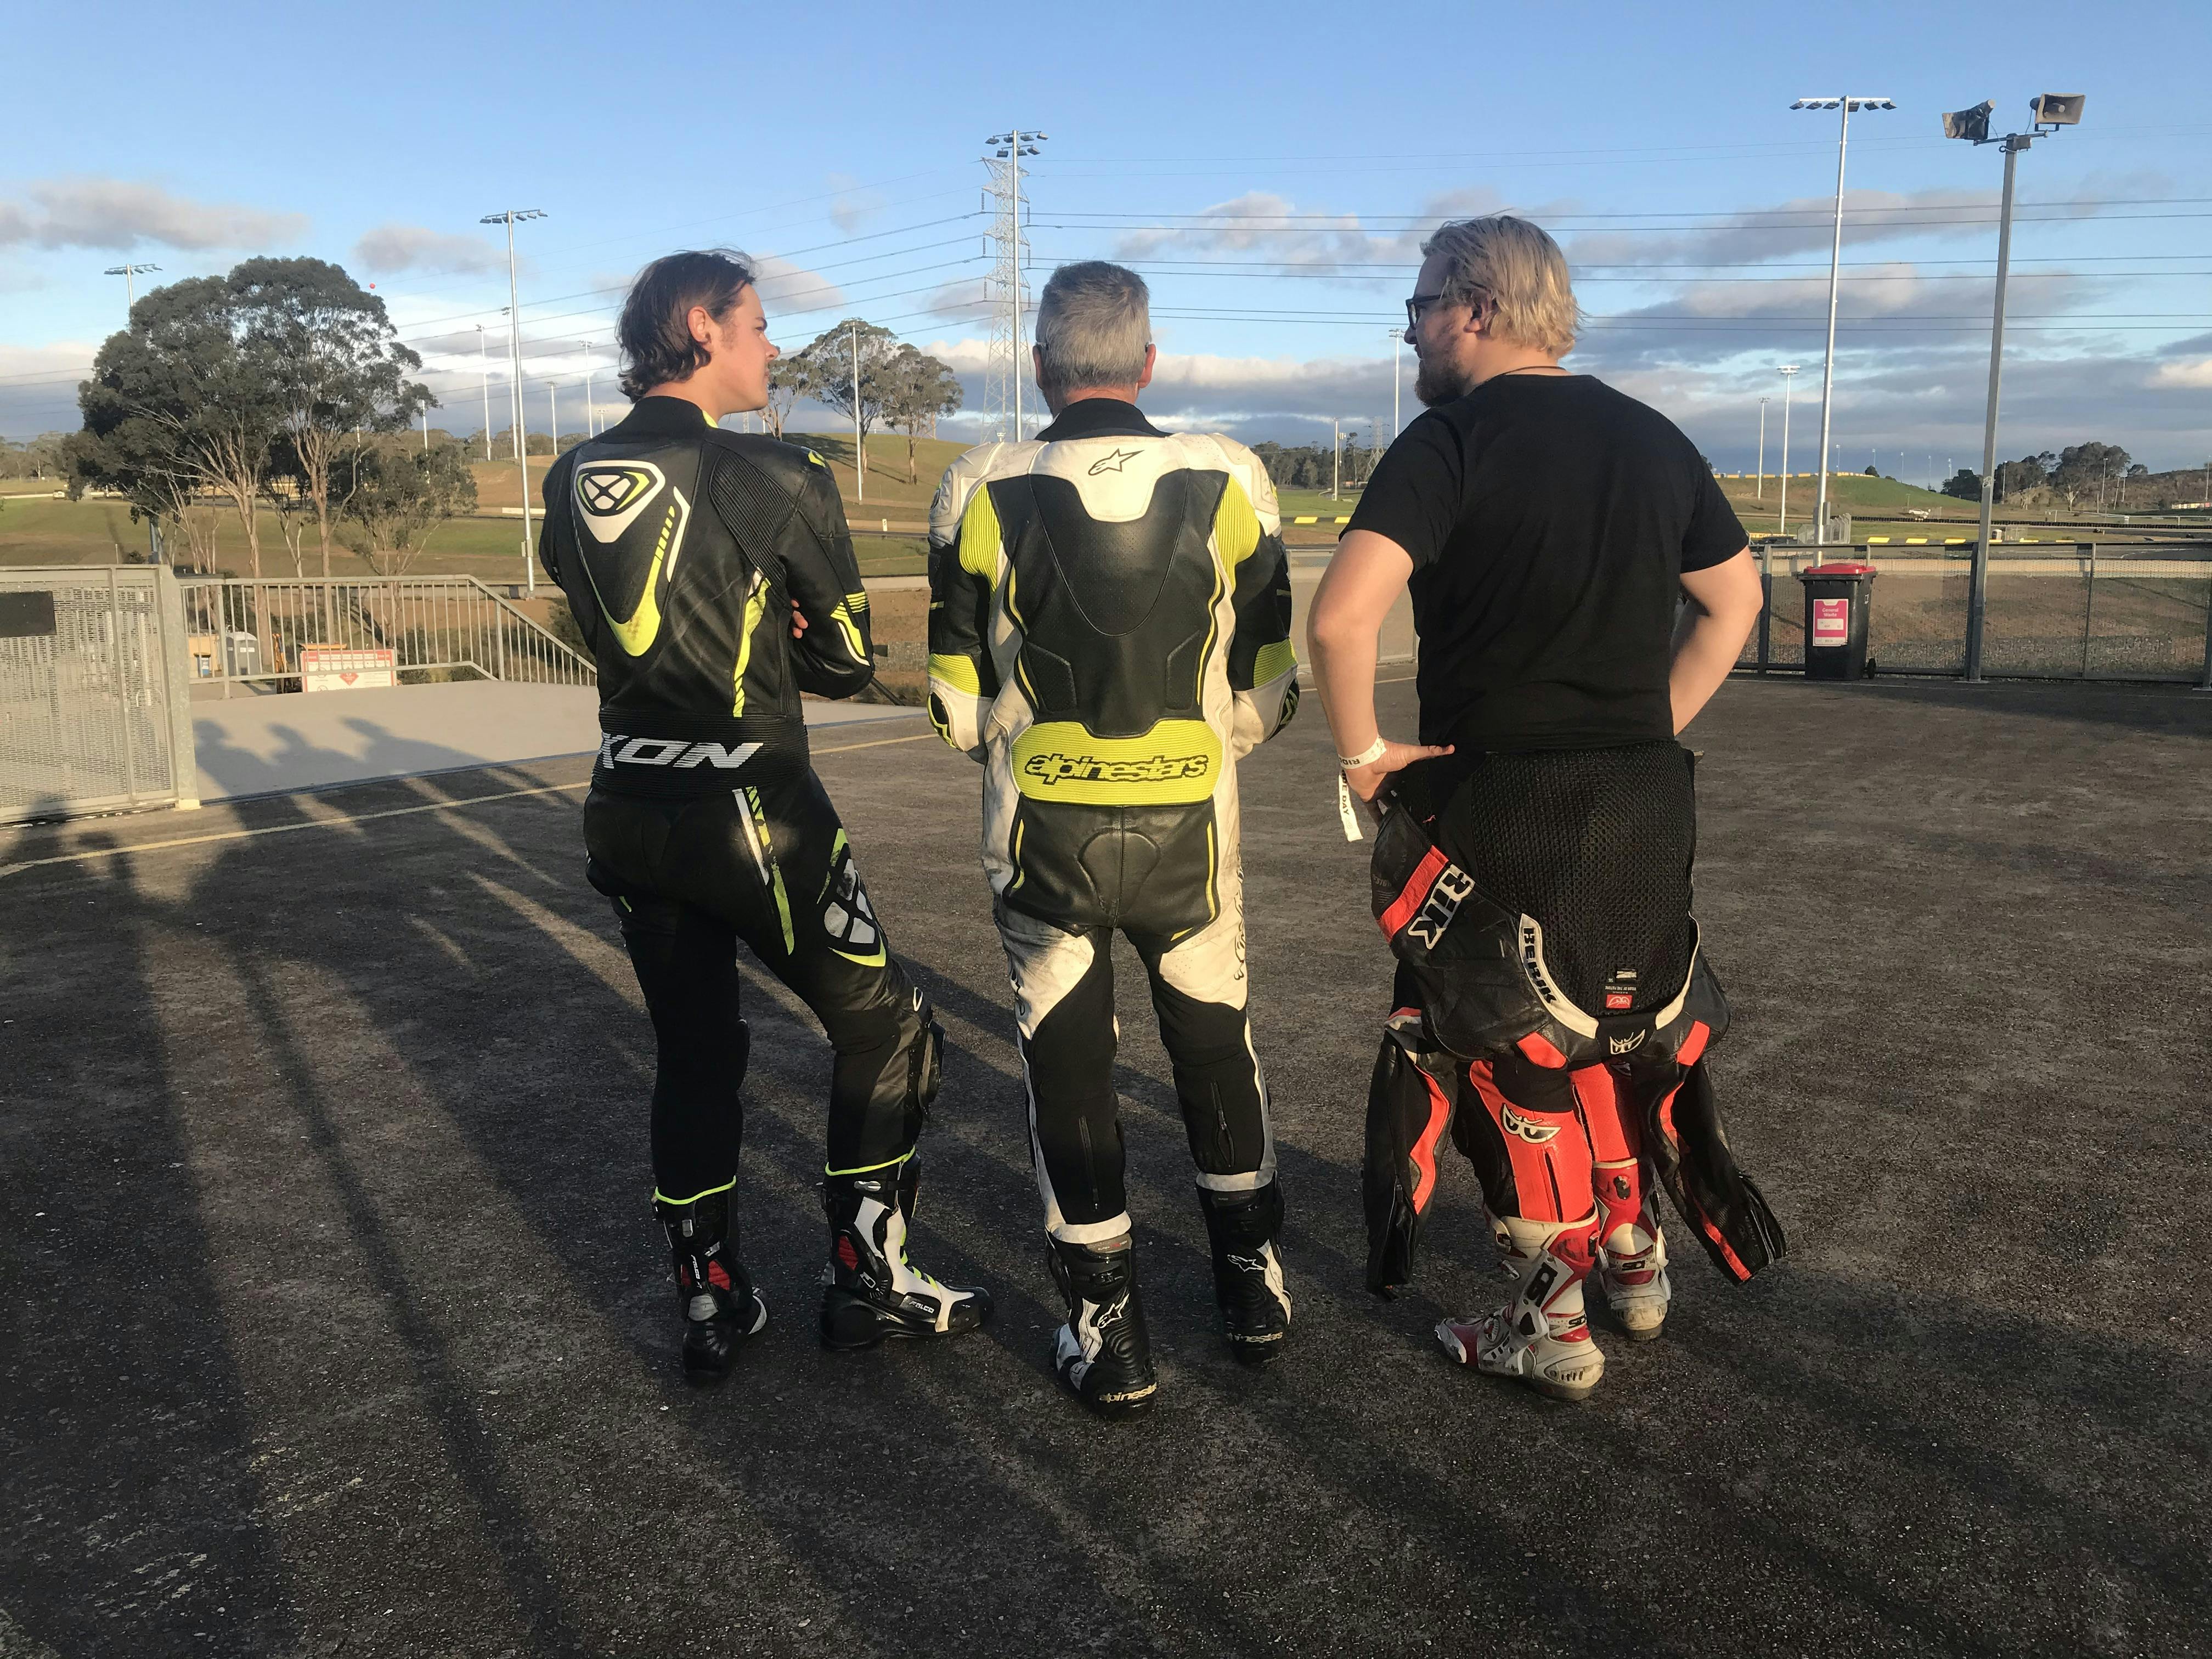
x=1438, y=381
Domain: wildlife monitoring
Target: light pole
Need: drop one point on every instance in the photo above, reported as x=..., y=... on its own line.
x=483, y=358
x=514, y=356
x=1760, y=494
x=1335, y=456
x=2051, y=111
x=591, y=430
x=128, y=272
x=1789, y=373
x=553, y=411
x=1845, y=104
x=1397, y=375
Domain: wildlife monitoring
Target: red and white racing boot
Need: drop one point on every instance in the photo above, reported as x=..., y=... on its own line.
x=1542, y=1336
x=1631, y=1259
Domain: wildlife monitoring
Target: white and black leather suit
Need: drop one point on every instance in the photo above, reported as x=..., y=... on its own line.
x=1109, y=632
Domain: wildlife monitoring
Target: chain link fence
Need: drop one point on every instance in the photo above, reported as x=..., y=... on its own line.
x=2085, y=611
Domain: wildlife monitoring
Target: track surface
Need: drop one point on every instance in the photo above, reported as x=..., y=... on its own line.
x=336, y=1322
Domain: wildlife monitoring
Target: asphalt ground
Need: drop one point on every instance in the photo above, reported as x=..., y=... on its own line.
x=337, y=1321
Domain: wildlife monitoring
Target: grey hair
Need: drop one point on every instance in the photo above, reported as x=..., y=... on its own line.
x=1094, y=321
x=1519, y=269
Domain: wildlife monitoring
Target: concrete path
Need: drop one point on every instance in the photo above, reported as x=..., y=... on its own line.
x=263, y=746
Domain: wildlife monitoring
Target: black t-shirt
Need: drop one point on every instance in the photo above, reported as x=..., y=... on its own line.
x=1549, y=519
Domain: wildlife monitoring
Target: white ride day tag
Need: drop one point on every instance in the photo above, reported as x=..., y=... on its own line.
x=1344, y=811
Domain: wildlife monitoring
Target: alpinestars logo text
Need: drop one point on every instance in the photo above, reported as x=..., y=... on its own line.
x=1093, y=769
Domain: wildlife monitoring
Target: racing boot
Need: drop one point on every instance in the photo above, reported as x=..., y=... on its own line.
x=1632, y=1254
x=1247, y=1270
x=1102, y=1355
x=870, y=1289
x=1510, y=1260
x=1541, y=1335
x=721, y=1308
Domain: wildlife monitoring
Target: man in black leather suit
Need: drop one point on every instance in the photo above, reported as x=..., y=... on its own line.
x=713, y=575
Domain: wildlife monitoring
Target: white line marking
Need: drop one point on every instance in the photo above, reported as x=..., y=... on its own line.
x=280, y=828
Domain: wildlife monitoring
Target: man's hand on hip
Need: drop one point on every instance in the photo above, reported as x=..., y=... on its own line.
x=1366, y=781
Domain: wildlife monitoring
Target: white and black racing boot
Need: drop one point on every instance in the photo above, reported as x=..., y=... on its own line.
x=870, y=1289
x=1541, y=1335
x=1247, y=1270
x=721, y=1308
x=1631, y=1257
x=1102, y=1355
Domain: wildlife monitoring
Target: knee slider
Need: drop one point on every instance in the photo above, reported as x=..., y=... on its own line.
x=925, y=1061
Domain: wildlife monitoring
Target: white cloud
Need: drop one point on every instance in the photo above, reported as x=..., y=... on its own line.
x=787, y=287
x=119, y=215
x=961, y=301
x=2192, y=375
x=1279, y=232
x=38, y=384
x=854, y=205
x=962, y=357
x=393, y=248
x=1805, y=224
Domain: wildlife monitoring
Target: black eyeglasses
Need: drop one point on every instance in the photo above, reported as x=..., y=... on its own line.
x=1417, y=303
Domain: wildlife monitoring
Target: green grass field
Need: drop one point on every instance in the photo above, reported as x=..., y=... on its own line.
x=36, y=531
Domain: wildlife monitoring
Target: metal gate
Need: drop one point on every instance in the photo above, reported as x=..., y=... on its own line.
x=91, y=700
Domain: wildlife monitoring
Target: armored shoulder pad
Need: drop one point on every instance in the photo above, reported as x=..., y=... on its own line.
x=969, y=472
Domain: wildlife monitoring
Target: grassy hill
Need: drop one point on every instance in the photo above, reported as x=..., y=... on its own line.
x=488, y=544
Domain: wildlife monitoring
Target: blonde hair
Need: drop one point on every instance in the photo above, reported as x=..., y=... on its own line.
x=1519, y=271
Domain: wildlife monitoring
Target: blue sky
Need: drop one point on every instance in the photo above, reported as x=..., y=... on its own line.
x=1270, y=169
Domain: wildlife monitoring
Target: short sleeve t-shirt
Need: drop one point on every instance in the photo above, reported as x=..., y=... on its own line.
x=1549, y=519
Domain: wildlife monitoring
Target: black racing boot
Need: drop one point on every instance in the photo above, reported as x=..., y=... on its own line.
x=1103, y=1356
x=1247, y=1270
x=870, y=1291
x=721, y=1308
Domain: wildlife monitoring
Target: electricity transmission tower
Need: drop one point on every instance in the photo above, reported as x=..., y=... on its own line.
x=1007, y=366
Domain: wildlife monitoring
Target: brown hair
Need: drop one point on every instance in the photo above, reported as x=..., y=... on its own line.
x=655, y=331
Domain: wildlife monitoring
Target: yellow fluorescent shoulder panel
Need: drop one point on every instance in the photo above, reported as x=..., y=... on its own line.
x=1236, y=526
x=979, y=536
x=1175, y=763
x=958, y=672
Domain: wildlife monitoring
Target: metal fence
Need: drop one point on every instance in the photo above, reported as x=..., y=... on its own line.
x=92, y=717
x=2083, y=611
x=247, y=631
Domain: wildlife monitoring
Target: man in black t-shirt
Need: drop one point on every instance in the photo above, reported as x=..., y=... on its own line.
x=1549, y=528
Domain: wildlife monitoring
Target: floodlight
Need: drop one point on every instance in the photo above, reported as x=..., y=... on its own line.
x=1971, y=124
x=2059, y=109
